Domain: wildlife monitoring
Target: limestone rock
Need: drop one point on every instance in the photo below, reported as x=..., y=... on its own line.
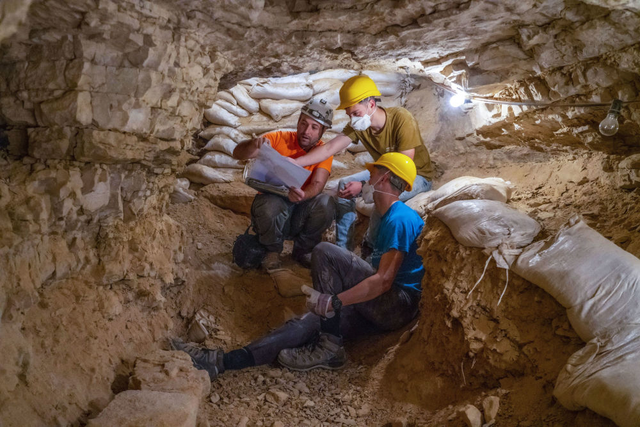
x=133, y=408
x=170, y=371
x=628, y=174
x=51, y=143
x=490, y=406
x=471, y=416
x=13, y=112
x=108, y=147
x=71, y=109
x=236, y=196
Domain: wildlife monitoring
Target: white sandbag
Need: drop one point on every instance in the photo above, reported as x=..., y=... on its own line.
x=598, y=282
x=487, y=224
x=278, y=109
x=323, y=85
x=362, y=158
x=182, y=183
x=291, y=91
x=420, y=201
x=244, y=100
x=356, y=148
x=219, y=160
x=605, y=377
x=232, y=133
x=336, y=165
x=233, y=109
x=338, y=74
x=218, y=115
x=331, y=187
x=332, y=96
x=380, y=77
x=181, y=195
x=340, y=120
x=203, y=174
x=252, y=81
x=472, y=188
x=296, y=78
x=364, y=208
x=260, y=123
x=226, y=96
x=222, y=144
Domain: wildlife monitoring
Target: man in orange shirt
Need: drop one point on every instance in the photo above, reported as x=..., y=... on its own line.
x=306, y=213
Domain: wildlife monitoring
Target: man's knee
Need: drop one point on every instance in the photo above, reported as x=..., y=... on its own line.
x=268, y=206
x=323, y=207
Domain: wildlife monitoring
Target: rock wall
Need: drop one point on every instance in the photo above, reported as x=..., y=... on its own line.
x=98, y=104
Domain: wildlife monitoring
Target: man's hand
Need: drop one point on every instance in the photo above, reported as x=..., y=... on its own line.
x=257, y=142
x=296, y=195
x=351, y=190
x=318, y=303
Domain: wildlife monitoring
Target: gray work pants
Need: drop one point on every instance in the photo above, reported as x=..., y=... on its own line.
x=277, y=219
x=334, y=270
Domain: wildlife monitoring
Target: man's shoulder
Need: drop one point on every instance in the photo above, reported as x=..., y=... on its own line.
x=403, y=213
x=399, y=113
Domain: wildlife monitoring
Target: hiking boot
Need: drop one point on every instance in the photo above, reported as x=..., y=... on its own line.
x=327, y=353
x=202, y=358
x=271, y=261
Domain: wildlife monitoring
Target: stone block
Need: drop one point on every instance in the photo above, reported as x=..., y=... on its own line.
x=84, y=75
x=99, y=146
x=97, y=50
x=96, y=188
x=139, y=117
x=71, y=109
x=166, y=126
x=45, y=75
x=13, y=112
x=170, y=371
x=235, y=196
x=18, y=142
x=135, y=408
x=108, y=110
x=51, y=143
x=122, y=80
x=628, y=176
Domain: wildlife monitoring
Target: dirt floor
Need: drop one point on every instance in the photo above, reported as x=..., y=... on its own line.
x=409, y=378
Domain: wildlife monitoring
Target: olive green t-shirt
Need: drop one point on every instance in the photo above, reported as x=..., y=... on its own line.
x=400, y=133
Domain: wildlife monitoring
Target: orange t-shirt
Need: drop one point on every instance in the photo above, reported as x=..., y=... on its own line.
x=286, y=143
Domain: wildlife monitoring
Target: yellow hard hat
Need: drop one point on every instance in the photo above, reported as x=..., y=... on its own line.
x=398, y=163
x=355, y=90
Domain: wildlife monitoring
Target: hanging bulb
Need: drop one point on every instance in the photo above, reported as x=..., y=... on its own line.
x=457, y=99
x=609, y=126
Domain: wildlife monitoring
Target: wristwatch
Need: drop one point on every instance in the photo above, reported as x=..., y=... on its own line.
x=336, y=303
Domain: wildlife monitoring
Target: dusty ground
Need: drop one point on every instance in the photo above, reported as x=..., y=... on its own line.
x=417, y=383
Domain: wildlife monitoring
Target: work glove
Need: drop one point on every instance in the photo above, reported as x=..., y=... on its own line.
x=318, y=303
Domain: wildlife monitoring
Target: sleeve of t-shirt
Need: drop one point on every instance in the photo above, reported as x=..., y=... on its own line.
x=408, y=134
x=350, y=133
x=326, y=164
x=276, y=139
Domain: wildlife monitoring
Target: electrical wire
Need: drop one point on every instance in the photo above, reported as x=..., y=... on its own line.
x=531, y=103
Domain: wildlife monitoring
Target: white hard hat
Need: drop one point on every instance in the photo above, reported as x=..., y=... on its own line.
x=319, y=110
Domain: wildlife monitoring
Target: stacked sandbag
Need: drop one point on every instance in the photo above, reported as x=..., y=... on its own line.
x=605, y=377
x=181, y=192
x=462, y=188
x=497, y=228
x=260, y=105
x=595, y=280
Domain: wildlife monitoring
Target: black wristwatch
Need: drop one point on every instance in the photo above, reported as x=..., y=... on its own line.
x=336, y=303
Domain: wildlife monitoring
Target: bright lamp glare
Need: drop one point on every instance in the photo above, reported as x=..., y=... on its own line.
x=457, y=100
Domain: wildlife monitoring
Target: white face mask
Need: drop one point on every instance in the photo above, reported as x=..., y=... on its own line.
x=362, y=123
x=369, y=189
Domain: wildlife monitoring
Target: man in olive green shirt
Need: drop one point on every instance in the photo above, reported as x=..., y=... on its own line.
x=381, y=130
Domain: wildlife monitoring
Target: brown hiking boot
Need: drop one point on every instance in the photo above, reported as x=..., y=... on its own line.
x=271, y=261
x=328, y=353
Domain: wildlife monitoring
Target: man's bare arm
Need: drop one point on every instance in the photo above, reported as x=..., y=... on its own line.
x=376, y=285
x=409, y=153
x=325, y=151
x=316, y=185
x=249, y=149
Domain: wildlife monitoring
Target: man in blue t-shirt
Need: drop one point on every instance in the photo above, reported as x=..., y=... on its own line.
x=349, y=295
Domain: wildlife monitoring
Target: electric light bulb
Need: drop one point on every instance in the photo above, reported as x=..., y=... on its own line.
x=609, y=126
x=457, y=100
